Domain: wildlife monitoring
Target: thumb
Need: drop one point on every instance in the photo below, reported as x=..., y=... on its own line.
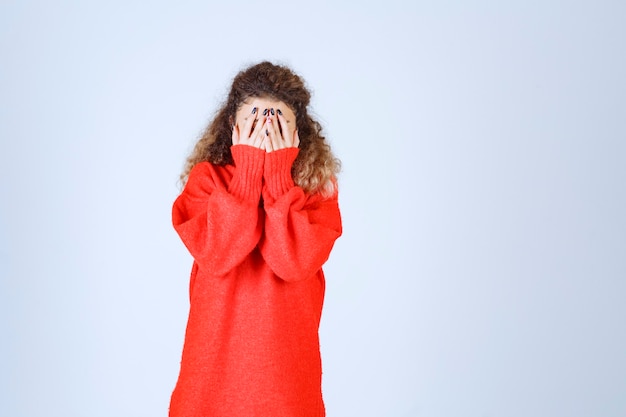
x=235, y=135
x=296, y=139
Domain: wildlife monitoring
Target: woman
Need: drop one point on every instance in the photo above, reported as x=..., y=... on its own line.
x=259, y=215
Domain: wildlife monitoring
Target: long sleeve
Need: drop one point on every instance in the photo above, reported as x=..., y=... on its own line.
x=217, y=215
x=300, y=229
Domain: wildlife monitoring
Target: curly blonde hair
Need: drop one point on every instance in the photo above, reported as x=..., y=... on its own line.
x=315, y=168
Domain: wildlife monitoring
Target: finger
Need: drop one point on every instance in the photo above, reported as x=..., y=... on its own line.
x=235, y=135
x=259, y=139
x=274, y=135
x=287, y=135
x=249, y=122
x=267, y=144
x=296, y=139
x=256, y=137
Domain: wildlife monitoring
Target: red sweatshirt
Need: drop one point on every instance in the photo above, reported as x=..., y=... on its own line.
x=256, y=290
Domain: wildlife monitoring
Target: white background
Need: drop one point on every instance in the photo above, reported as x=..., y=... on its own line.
x=482, y=271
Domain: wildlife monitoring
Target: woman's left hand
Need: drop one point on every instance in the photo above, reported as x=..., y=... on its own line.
x=275, y=140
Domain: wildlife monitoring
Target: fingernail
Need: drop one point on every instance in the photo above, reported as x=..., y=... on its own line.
x=267, y=132
x=280, y=113
x=265, y=112
x=272, y=111
x=254, y=110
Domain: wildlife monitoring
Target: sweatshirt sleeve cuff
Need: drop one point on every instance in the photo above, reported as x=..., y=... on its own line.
x=277, y=174
x=247, y=177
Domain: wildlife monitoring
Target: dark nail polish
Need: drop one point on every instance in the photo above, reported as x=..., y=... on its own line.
x=254, y=110
x=272, y=111
x=267, y=132
x=265, y=112
x=280, y=113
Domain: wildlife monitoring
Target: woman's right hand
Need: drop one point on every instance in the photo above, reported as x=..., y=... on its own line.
x=252, y=133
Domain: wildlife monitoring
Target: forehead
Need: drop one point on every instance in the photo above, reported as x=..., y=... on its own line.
x=265, y=103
